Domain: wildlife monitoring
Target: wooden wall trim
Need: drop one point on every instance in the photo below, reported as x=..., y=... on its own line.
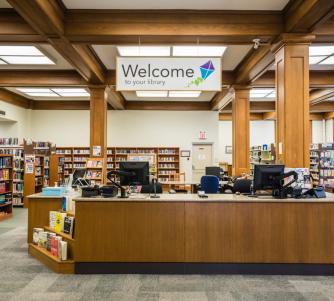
x=60, y=105
x=15, y=99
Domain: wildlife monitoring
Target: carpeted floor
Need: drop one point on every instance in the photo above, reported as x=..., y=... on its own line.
x=24, y=278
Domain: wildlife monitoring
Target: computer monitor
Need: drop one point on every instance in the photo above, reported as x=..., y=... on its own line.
x=213, y=171
x=266, y=176
x=138, y=170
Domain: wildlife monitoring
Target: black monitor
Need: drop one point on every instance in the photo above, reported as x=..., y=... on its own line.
x=213, y=171
x=266, y=176
x=138, y=173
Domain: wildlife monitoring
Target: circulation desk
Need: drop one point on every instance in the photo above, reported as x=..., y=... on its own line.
x=182, y=233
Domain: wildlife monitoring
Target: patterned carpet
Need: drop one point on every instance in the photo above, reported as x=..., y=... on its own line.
x=24, y=278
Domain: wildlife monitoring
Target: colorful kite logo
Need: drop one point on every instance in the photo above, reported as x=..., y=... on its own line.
x=206, y=70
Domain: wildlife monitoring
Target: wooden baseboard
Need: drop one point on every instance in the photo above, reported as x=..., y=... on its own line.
x=56, y=265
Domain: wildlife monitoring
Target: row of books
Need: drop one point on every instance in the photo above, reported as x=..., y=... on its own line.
x=79, y=159
x=94, y=163
x=9, y=141
x=166, y=172
x=51, y=242
x=5, y=162
x=5, y=187
x=4, y=174
x=81, y=151
x=167, y=159
x=327, y=172
x=4, y=198
x=90, y=174
x=38, y=161
x=167, y=166
x=60, y=222
x=18, y=187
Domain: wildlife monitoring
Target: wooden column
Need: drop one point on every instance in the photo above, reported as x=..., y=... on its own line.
x=240, y=127
x=98, y=119
x=292, y=105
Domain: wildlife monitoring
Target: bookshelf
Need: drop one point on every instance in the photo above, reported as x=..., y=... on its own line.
x=261, y=154
x=166, y=159
x=56, y=170
x=322, y=164
x=6, y=186
x=67, y=153
x=95, y=170
x=18, y=168
x=34, y=181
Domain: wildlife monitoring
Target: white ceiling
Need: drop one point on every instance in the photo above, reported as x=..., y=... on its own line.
x=131, y=95
x=49, y=51
x=231, y=58
x=178, y=4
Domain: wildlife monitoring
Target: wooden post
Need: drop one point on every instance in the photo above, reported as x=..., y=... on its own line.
x=240, y=128
x=292, y=105
x=98, y=122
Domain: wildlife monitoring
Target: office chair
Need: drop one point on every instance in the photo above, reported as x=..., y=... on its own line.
x=149, y=188
x=242, y=186
x=209, y=184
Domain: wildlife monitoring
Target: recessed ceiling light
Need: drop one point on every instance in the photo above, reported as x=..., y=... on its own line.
x=259, y=93
x=27, y=60
x=69, y=90
x=34, y=90
x=151, y=93
x=184, y=93
x=144, y=50
x=313, y=60
x=328, y=61
x=198, y=50
x=42, y=94
x=76, y=94
x=321, y=50
x=20, y=50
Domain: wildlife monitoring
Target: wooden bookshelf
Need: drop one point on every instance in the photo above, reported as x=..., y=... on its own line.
x=18, y=171
x=6, y=186
x=56, y=265
x=96, y=170
x=261, y=154
x=167, y=158
x=67, y=153
x=34, y=182
x=56, y=170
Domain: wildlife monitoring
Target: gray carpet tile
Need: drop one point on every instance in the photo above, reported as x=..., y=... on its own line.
x=22, y=278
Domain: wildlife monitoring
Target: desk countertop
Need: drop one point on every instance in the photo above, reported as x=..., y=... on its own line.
x=211, y=198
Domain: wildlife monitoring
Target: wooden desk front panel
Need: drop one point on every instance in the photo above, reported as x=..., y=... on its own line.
x=259, y=232
x=129, y=232
x=38, y=212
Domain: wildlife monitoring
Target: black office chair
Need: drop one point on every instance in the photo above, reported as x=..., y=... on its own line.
x=150, y=188
x=242, y=186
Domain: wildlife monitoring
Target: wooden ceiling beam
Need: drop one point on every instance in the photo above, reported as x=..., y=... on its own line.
x=317, y=116
x=255, y=107
x=115, y=99
x=322, y=107
x=318, y=79
x=47, y=19
x=221, y=99
x=254, y=65
x=60, y=105
x=15, y=99
x=168, y=105
x=306, y=15
x=320, y=95
x=170, y=26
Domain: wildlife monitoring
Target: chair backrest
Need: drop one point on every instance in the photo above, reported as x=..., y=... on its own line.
x=242, y=185
x=210, y=184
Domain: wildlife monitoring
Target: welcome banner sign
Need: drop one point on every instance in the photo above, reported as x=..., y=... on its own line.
x=168, y=73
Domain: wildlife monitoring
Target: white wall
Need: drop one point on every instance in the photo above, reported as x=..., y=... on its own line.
x=318, y=134
x=261, y=132
x=163, y=128
x=64, y=128
x=20, y=127
x=329, y=130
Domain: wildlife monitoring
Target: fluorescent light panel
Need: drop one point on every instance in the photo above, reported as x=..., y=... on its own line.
x=55, y=92
x=198, y=50
x=151, y=93
x=76, y=94
x=27, y=60
x=144, y=50
x=321, y=50
x=69, y=90
x=192, y=94
x=328, y=61
x=34, y=90
x=313, y=60
x=41, y=94
x=20, y=50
